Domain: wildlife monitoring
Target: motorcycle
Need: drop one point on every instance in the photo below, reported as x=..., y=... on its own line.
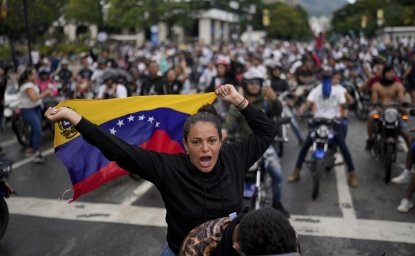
x=362, y=100
x=323, y=151
x=385, y=144
x=287, y=113
x=22, y=130
x=11, y=102
x=5, y=191
x=258, y=183
x=257, y=186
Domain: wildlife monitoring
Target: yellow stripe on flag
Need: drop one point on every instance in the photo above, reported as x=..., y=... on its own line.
x=100, y=111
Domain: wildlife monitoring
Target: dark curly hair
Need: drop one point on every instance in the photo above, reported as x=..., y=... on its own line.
x=266, y=231
x=206, y=113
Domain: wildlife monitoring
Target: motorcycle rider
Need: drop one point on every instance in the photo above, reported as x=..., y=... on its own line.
x=386, y=91
x=267, y=100
x=280, y=85
x=327, y=101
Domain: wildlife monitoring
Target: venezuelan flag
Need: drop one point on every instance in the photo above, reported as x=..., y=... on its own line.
x=151, y=122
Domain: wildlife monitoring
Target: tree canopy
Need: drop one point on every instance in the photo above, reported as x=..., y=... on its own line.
x=395, y=13
x=288, y=22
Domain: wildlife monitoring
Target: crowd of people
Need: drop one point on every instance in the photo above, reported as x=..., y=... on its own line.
x=242, y=76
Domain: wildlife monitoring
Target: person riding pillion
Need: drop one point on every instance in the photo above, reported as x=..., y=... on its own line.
x=266, y=99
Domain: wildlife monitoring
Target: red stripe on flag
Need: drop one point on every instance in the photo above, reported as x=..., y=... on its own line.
x=105, y=174
x=161, y=142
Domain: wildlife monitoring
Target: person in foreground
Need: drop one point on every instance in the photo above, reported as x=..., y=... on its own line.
x=205, y=183
x=264, y=231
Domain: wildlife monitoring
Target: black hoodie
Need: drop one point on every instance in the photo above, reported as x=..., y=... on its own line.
x=190, y=196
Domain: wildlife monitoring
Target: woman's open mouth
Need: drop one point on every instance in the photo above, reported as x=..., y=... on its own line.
x=205, y=161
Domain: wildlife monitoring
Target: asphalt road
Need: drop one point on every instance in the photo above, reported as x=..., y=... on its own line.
x=126, y=217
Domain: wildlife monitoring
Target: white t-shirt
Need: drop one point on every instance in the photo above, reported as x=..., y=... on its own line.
x=327, y=107
x=25, y=101
x=121, y=91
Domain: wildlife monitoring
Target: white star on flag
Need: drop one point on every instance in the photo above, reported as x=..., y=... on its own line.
x=157, y=124
x=113, y=131
x=150, y=119
x=130, y=118
x=120, y=123
x=141, y=118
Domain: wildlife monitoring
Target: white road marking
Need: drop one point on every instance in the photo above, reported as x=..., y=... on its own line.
x=137, y=193
x=8, y=142
x=80, y=211
x=30, y=159
x=343, y=191
x=388, y=231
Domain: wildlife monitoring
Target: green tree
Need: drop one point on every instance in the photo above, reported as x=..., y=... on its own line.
x=85, y=12
x=288, y=22
x=396, y=13
x=41, y=15
x=144, y=13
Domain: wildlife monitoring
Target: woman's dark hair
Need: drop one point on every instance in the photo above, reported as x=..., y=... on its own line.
x=206, y=113
x=266, y=231
x=24, y=77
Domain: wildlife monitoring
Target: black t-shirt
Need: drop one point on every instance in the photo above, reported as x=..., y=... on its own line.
x=302, y=72
x=279, y=85
x=153, y=86
x=85, y=73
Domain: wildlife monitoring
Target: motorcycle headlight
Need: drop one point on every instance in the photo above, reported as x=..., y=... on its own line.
x=391, y=115
x=322, y=131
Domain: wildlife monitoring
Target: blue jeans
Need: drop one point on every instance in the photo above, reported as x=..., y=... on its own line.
x=339, y=138
x=296, y=129
x=33, y=117
x=272, y=166
x=167, y=251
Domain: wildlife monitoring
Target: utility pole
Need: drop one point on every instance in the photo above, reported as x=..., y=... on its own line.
x=26, y=21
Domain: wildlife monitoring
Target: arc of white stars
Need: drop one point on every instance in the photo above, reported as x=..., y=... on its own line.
x=131, y=118
x=120, y=123
x=113, y=131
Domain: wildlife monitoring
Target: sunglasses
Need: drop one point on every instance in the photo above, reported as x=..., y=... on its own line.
x=254, y=82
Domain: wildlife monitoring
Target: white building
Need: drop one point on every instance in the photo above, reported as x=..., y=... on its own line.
x=211, y=26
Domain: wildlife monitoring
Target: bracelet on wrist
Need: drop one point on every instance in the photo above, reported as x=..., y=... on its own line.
x=242, y=103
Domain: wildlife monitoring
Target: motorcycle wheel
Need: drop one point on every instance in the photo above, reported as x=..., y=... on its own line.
x=388, y=162
x=316, y=166
x=4, y=216
x=21, y=130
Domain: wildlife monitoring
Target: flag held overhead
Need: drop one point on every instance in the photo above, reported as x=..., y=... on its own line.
x=151, y=122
